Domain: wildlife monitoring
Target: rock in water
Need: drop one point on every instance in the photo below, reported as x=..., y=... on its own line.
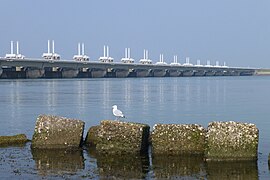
x=232, y=141
x=13, y=140
x=54, y=132
x=115, y=137
x=177, y=139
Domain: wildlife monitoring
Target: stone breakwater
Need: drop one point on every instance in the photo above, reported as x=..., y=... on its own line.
x=220, y=141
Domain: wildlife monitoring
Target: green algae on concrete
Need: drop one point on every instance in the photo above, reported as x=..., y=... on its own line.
x=54, y=132
x=176, y=139
x=116, y=137
x=232, y=141
x=13, y=140
x=92, y=136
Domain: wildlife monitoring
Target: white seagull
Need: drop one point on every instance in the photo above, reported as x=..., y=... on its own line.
x=117, y=113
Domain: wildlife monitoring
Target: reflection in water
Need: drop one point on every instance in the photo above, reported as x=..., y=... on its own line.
x=232, y=170
x=49, y=162
x=128, y=91
x=185, y=166
x=161, y=91
x=121, y=166
x=52, y=95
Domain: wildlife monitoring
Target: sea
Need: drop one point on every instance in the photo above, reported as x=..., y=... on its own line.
x=168, y=100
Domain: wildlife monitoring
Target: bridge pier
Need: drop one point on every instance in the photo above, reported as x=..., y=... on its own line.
x=121, y=73
x=159, y=72
x=199, y=73
x=174, y=73
x=98, y=72
x=69, y=73
x=33, y=73
x=1, y=71
x=188, y=73
x=143, y=72
x=132, y=73
x=210, y=73
x=53, y=72
x=235, y=73
x=219, y=73
x=84, y=73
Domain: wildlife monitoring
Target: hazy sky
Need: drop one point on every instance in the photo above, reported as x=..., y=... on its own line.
x=235, y=31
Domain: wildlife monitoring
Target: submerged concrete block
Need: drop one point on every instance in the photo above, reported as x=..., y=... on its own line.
x=92, y=136
x=13, y=140
x=232, y=141
x=116, y=137
x=176, y=139
x=53, y=132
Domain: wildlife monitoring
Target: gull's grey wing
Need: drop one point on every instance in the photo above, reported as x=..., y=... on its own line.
x=117, y=112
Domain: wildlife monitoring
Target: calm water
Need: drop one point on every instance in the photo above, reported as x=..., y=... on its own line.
x=146, y=100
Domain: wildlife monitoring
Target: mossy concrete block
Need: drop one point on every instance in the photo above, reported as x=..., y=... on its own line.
x=13, y=140
x=116, y=137
x=92, y=136
x=232, y=141
x=54, y=132
x=176, y=139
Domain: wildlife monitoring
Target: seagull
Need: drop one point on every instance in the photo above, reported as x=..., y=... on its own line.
x=117, y=113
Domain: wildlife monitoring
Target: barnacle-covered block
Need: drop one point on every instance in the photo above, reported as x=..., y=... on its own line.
x=116, y=137
x=53, y=132
x=232, y=141
x=177, y=139
x=92, y=136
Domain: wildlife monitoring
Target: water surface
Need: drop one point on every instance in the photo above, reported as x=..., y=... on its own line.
x=146, y=100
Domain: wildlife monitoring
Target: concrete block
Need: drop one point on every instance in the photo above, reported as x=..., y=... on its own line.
x=92, y=136
x=232, y=141
x=54, y=132
x=13, y=140
x=116, y=137
x=176, y=139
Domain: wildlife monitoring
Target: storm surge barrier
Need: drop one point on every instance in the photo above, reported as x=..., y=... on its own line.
x=44, y=68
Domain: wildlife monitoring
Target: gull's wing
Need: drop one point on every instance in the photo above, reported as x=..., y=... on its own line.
x=117, y=112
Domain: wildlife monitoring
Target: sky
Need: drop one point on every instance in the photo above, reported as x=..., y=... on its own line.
x=235, y=31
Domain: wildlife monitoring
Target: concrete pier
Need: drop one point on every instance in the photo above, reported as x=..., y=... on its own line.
x=159, y=72
x=41, y=68
x=121, y=73
x=143, y=72
x=33, y=73
x=187, y=73
x=174, y=73
x=69, y=73
x=98, y=73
